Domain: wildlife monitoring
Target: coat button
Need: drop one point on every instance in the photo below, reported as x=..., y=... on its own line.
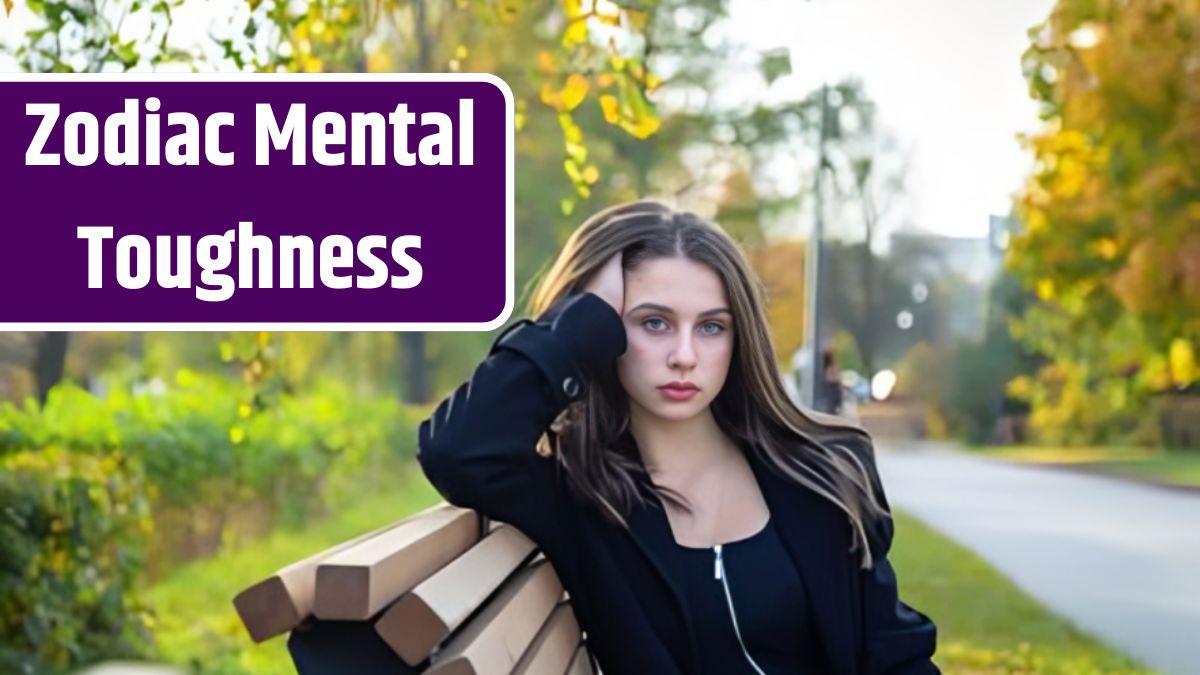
x=570, y=386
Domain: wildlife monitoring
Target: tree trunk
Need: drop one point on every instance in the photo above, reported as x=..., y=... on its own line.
x=866, y=339
x=136, y=346
x=49, y=362
x=413, y=364
x=414, y=368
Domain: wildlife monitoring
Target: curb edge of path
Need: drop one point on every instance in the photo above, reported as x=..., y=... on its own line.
x=1082, y=468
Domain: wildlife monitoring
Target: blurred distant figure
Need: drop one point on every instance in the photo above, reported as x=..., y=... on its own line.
x=832, y=382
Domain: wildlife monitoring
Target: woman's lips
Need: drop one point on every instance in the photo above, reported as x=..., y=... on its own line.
x=678, y=393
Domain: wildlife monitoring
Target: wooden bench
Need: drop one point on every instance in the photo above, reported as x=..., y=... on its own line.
x=442, y=592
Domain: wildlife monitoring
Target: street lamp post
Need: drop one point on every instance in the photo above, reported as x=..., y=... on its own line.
x=815, y=394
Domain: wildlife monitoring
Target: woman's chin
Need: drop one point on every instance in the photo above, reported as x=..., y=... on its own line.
x=676, y=411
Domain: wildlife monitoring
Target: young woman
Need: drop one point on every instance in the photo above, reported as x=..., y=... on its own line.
x=639, y=433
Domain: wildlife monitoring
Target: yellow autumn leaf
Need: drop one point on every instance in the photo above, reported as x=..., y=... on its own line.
x=310, y=64
x=575, y=91
x=608, y=103
x=379, y=62
x=1182, y=358
x=572, y=170
x=461, y=52
x=551, y=97
x=1071, y=177
x=572, y=133
x=1037, y=220
x=577, y=152
x=643, y=128
x=1068, y=140
x=591, y=174
x=237, y=435
x=546, y=62
x=576, y=33
x=1106, y=248
x=8, y=5
x=1045, y=289
x=244, y=410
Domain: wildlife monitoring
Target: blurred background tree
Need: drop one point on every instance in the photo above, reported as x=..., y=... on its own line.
x=1111, y=245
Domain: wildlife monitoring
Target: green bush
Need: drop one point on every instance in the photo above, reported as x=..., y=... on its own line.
x=202, y=448
x=72, y=532
x=101, y=494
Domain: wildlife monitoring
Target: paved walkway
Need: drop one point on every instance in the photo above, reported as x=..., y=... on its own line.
x=1120, y=560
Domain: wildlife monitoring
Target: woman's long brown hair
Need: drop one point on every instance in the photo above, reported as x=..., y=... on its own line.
x=591, y=439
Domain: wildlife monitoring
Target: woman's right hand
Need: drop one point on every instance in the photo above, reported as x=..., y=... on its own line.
x=609, y=284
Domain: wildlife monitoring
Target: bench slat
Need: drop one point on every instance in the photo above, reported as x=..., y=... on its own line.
x=582, y=663
x=552, y=649
x=357, y=582
x=280, y=602
x=421, y=619
x=437, y=574
x=493, y=642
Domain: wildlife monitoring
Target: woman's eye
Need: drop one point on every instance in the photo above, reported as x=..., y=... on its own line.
x=654, y=324
x=712, y=328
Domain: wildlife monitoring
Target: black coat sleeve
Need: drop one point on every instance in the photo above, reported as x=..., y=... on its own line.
x=899, y=640
x=478, y=448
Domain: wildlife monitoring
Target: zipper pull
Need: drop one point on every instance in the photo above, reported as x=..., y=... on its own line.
x=718, y=567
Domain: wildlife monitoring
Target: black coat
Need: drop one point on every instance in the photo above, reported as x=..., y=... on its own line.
x=478, y=450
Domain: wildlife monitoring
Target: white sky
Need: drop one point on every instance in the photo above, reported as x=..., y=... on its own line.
x=945, y=73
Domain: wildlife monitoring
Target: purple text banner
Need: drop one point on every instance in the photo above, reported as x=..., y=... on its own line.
x=256, y=202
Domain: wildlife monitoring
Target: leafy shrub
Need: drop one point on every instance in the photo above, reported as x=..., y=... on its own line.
x=100, y=494
x=72, y=531
x=202, y=448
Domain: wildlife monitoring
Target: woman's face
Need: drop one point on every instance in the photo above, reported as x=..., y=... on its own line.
x=680, y=332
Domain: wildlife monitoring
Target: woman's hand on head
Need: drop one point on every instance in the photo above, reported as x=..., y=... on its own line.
x=609, y=283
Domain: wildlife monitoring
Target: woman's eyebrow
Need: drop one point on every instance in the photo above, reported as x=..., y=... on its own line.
x=667, y=310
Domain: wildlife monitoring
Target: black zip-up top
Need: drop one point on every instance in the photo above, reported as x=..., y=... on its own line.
x=748, y=606
x=478, y=450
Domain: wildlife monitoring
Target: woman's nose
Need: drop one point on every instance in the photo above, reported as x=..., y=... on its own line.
x=684, y=353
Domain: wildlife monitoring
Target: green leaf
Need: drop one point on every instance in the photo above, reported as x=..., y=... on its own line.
x=775, y=64
x=127, y=53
